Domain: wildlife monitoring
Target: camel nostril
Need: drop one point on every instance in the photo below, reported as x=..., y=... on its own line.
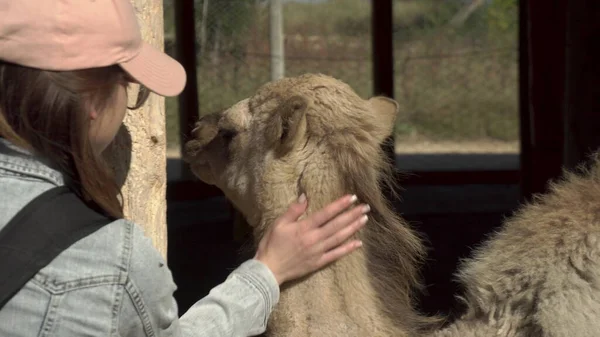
x=204, y=132
x=204, y=127
x=197, y=126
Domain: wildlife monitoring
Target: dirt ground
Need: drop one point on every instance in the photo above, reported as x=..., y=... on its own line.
x=481, y=147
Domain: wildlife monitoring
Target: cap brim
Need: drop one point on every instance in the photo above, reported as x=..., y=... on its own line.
x=157, y=71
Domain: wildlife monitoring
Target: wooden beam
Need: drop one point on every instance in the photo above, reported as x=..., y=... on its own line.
x=382, y=40
x=382, y=47
x=542, y=57
x=140, y=140
x=454, y=178
x=197, y=190
x=582, y=112
x=185, y=46
x=524, y=108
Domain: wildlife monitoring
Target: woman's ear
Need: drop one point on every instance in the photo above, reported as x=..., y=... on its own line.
x=287, y=124
x=386, y=110
x=93, y=114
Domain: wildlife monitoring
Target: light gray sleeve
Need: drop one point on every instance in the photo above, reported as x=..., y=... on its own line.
x=238, y=307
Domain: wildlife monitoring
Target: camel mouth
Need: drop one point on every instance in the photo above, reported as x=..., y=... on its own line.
x=191, y=153
x=197, y=160
x=199, y=166
x=204, y=133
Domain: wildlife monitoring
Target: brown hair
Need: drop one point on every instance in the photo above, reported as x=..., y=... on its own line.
x=47, y=112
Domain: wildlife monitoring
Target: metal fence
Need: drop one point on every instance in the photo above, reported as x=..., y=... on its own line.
x=456, y=66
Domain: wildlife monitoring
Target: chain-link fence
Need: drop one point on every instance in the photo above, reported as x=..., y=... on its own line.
x=455, y=61
x=456, y=76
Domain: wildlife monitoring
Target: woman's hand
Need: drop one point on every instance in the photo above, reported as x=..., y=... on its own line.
x=293, y=248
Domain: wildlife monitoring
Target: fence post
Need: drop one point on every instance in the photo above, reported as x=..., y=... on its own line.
x=276, y=30
x=185, y=46
x=582, y=107
x=382, y=40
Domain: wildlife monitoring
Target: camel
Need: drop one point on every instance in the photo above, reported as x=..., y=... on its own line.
x=314, y=134
x=537, y=276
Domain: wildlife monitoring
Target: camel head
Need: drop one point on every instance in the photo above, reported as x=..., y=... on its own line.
x=262, y=150
x=313, y=134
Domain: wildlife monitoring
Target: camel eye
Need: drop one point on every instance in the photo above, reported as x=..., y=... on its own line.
x=227, y=135
x=285, y=129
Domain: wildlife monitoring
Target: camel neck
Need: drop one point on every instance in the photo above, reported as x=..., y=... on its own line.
x=338, y=300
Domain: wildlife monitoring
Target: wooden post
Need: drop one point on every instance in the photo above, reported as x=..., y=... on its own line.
x=582, y=108
x=276, y=29
x=524, y=104
x=138, y=154
x=542, y=93
x=189, y=105
x=382, y=41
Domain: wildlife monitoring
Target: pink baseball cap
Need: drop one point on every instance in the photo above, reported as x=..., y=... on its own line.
x=62, y=35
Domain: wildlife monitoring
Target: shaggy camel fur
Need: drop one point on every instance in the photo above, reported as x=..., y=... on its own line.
x=313, y=134
x=538, y=276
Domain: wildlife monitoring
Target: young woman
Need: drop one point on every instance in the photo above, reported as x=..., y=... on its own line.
x=64, y=69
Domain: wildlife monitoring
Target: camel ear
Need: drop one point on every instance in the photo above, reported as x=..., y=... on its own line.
x=385, y=110
x=287, y=124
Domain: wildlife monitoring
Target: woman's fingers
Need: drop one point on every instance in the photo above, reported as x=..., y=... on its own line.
x=295, y=210
x=292, y=248
x=317, y=219
x=343, y=234
x=338, y=252
x=341, y=221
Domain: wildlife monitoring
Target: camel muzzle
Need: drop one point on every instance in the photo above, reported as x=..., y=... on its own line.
x=205, y=131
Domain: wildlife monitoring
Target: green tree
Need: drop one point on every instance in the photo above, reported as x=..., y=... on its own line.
x=503, y=17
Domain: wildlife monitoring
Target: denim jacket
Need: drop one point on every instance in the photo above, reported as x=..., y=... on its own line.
x=114, y=282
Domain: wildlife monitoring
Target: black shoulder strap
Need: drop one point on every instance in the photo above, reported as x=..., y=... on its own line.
x=44, y=228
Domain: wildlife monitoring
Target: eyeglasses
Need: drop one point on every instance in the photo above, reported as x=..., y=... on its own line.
x=142, y=97
x=143, y=92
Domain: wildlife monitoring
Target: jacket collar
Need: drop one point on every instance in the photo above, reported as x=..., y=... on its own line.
x=23, y=162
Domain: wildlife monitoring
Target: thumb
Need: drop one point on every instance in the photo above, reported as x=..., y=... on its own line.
x=295, y=210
